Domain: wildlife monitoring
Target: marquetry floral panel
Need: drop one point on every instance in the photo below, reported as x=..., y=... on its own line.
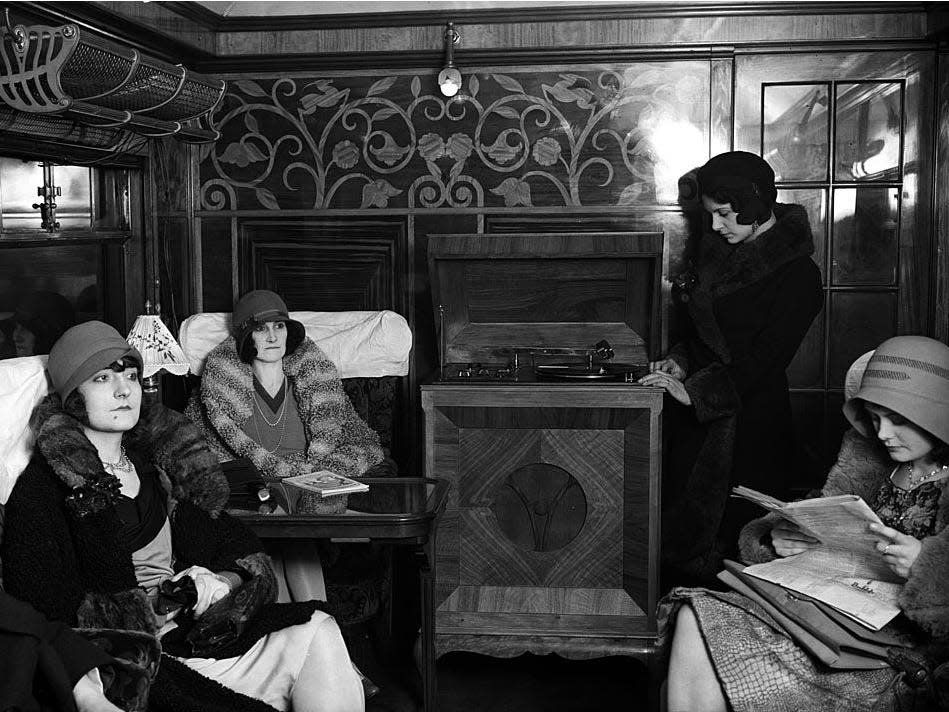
x=512, y=137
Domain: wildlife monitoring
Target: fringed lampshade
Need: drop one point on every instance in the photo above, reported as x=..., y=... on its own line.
x=160, y=351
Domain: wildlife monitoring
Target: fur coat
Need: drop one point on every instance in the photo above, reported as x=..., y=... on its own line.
x=337, y=438
x=62, y=552
x=862, y=466
x=747, y=308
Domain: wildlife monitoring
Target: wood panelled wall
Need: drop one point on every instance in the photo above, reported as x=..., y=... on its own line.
x=325, y=183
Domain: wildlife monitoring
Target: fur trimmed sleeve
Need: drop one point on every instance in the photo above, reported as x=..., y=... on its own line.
x=713, y=393
x=925, y=597
x=337, y=438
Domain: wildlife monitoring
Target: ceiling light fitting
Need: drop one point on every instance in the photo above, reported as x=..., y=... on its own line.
x=449, y=79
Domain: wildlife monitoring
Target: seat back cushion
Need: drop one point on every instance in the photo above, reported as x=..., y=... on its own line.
x=365, y=344
x=23, y=384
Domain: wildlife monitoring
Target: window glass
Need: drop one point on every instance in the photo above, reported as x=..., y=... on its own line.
x=869, y=119
x=865, y=235
x=795, y=131
x=19, y=181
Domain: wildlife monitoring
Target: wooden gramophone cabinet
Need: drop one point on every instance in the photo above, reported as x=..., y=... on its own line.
x=550, y=540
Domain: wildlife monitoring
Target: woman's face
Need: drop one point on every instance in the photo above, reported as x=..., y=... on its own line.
x=903, y=440
x=725, y=222
x=270, y=338
x=113, y=399
x=24, y=340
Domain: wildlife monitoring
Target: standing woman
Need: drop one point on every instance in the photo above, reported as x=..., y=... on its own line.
x=749, y=295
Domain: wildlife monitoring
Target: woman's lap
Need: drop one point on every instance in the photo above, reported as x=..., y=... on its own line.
x=762, y=670
x=270, y=668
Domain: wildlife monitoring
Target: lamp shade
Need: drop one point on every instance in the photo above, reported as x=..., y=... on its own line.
x=160, y=351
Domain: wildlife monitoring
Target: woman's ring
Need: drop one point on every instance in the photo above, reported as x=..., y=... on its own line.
x=886, y=549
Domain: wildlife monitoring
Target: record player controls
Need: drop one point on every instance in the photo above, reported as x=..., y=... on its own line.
x=469, y=370
x=484, y=372
x=502, y=372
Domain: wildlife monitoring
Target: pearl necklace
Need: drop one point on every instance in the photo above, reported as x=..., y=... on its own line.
x=913, y=480
x=123, y=464
x=281, y=421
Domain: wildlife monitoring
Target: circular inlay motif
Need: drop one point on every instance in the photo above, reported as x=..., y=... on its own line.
x=540, y=507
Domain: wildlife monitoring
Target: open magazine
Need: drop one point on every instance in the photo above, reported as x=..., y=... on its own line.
x=326, y=483
x=846, y=571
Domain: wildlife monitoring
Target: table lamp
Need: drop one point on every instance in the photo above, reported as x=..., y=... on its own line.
x=160, y=351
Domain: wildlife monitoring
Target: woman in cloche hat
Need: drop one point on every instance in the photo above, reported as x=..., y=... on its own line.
x=729, y=653
x=119, y=516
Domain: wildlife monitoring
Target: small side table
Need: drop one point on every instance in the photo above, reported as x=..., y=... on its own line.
x=398, y=510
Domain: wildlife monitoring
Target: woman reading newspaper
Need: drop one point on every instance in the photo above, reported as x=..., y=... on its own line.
x=728, y=653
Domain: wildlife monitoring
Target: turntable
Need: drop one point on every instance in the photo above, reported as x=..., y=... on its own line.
x=549, y=542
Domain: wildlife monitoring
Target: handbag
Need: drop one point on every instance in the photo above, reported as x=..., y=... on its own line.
x=823, y=632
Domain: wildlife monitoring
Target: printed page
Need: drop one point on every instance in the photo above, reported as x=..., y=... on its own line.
x=839, y=522
x=326, y=483
x=850, y=583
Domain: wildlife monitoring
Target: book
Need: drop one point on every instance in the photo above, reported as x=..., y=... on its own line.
x=326, y=483
x=845, y=571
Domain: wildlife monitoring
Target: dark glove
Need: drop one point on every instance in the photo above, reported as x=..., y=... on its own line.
x=226, y=620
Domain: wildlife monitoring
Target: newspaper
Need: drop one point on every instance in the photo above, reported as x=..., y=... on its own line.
x=846, y=571
x=326, y=483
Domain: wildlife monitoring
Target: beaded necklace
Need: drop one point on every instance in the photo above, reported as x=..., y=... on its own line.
x=281, y=421
x=123, y=464
x=914, y=480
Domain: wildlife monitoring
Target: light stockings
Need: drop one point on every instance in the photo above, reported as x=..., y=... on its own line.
x=327, y=681
x=692, y=685
x=299, y=572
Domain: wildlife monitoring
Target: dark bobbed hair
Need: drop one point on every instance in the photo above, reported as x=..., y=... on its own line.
x=75, y=403
x=743, y=180
x=295, y=336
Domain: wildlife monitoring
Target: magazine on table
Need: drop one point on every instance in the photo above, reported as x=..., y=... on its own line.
x=846, y=571
x=326, y=483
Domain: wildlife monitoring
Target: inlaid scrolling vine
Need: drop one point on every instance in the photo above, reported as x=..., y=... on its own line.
x=618, y=136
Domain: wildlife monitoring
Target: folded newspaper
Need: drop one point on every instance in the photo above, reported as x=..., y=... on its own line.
x=846, y=571
x=326, y=483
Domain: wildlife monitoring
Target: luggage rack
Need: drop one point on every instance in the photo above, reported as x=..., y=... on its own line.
x=70, y=73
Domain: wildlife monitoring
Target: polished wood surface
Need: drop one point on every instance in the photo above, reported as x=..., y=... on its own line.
x=595, y=593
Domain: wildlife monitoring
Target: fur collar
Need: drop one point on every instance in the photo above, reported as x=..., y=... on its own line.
x=721, y=268
x=718, y=268
x=165, y=438
x=337, y=438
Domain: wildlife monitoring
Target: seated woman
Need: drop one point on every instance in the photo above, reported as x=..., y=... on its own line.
x=728, y=653
x=121, y=499
x=271, y=395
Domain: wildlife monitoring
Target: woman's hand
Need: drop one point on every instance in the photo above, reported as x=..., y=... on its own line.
x=788, y=539
x=672, y=384
x=899, y=550
x=211, y=587
x=669, y=366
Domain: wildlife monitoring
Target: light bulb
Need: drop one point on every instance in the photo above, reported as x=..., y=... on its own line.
x=449, y=81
